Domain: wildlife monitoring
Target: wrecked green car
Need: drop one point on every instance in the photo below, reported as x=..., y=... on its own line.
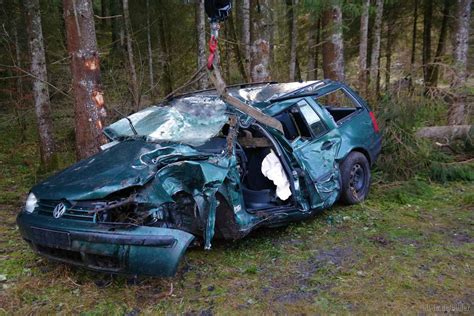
x=195, y=169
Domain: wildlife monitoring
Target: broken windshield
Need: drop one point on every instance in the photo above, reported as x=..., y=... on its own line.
x=190, y=120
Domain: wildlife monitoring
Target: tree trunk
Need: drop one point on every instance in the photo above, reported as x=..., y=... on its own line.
x=298, y=70
x=245, y=37
x=260, y=50
x=292, y=20
x=18, y=98
x=85, y=69
x=364, y=33
x=104, y=11
x=333, y=45
x=134, y=86
x=116, y=25
x=456, y=114
x=318, y=49
x=271, y=32
x=13, y=22
x=413, y=45
x=227, y=54
x=312, y=34
x=375, y=54
x=427, y=21
x=165, y=58
x=150, y=50
x=444, y=133
x=441, y=44
x=237, y=50
x=388, y=55
x=201, y=36
x=40, y=86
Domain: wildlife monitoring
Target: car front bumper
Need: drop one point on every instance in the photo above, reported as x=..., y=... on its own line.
x=137, y=250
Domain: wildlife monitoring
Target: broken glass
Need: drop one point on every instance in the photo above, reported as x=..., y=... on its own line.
x=189, y=120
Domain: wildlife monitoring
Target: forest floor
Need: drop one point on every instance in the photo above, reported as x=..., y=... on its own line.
x=408, y=249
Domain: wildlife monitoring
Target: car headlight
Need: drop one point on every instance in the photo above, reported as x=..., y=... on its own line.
x=31, y=203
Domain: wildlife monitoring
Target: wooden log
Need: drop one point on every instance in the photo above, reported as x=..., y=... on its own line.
x=448, y=133
x=219, y=83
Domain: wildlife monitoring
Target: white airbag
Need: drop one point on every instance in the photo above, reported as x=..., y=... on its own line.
x=273, y=170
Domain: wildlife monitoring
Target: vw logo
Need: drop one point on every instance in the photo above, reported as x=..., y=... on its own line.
x=59, y=210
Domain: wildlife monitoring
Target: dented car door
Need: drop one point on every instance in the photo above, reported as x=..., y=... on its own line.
x=317, y=154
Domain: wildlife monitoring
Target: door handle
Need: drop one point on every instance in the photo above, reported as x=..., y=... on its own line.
x=327, y=145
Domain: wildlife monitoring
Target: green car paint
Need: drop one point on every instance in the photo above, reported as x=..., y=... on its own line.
x=179, y=173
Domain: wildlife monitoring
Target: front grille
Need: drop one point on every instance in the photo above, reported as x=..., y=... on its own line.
x=81, y=210
x=109, y=263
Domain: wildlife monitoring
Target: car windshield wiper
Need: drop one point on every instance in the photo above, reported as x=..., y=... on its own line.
x=129, y=121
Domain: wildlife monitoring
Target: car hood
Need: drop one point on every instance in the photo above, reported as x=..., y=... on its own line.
x=127, y=164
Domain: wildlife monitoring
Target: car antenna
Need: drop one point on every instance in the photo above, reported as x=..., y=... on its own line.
x=129, y=121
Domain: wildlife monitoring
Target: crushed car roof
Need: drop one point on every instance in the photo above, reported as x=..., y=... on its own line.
x=261, y=94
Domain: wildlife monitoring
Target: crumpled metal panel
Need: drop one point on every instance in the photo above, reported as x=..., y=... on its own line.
x=127, y=164
x=200, y=179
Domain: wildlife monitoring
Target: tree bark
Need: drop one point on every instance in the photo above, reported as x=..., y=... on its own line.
x=413, y=45
x=456, y=113
x=104, y=11
x=448, y=133
x=85, y=68
x=165, y=58
x=40, y=86
x=364, y=33
x=318, y=49
x=245, y=36
x=427, y=21
x=260, y=50
x=312, y=39
x=201, y=36
x=375, y=54
x=388, y=55
x=150, y=50
x=241, y=63
x=116, y=26
x=441, y=44
x=333, y=45
x=293, y=32
x=134, y=86
x=227, y=54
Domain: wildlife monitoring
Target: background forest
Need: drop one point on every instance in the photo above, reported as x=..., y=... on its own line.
x=395, y=53
x=411, y=59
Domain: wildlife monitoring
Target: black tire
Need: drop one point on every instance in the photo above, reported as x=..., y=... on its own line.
x=355, y=178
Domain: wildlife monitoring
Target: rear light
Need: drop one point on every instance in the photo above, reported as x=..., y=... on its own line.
x=374, y=122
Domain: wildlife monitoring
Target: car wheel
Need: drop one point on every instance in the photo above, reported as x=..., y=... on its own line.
x=355, y=175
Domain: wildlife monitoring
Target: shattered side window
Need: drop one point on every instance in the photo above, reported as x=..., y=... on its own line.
x=190, y=120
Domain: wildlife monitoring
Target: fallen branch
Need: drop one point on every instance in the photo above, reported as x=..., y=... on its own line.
x=107, y=17
x=459, y=162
